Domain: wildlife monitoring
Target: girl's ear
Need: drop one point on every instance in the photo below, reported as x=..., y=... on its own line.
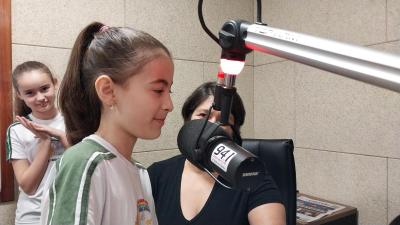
x=105, y=90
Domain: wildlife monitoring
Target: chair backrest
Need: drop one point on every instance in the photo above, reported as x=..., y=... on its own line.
x=277, y=154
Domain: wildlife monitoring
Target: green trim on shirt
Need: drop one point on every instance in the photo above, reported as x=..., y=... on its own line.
x=8, y=141
x=69, y=194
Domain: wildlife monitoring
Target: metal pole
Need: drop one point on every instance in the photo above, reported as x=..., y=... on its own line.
x=359, y=63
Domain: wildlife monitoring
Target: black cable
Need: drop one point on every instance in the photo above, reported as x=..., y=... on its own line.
x=203, y=25
x=259, y=11
x=216, y=179
x=204, y=126
x=197, y=146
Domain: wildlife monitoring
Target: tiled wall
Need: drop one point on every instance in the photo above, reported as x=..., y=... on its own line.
x=45, y=30
x=347, y=133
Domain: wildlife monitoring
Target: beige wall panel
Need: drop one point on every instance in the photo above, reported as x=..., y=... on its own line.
x=390, y=47
x=244, y=85
x=57, y=23
x=147, y=158
x=188, y=75
x=356, y=180
x=7, y=213
x=393, y=20
x=274, y=100
x=340, y=114
x=393, y=188
x=283, y=99
x=359, y=22
x=55, y=58
x=177, y=25
x=263, y=58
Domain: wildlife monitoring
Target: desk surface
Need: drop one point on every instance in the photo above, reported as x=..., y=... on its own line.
x=348, y=210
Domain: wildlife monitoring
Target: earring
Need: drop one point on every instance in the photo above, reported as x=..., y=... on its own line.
x=112, y=107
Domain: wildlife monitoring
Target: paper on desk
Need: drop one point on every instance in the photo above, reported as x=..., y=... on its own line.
x=309, y=209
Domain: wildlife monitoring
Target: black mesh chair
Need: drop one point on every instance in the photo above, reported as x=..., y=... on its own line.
x=279, y=160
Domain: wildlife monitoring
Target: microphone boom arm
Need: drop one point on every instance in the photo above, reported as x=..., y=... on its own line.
x=356, y=62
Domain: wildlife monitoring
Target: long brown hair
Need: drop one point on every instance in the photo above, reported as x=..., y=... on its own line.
x=20, y=108
x=119, y=52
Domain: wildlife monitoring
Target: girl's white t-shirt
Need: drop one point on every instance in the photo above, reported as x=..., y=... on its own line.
x=21, y=143
x=119, y=193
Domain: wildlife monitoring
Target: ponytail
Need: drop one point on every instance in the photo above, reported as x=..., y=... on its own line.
x=81, y=113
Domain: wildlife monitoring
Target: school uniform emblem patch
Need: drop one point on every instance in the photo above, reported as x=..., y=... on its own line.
x=144, y=216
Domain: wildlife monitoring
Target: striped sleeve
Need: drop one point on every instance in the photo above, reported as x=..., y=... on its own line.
x=69, y=194
x=13, y=145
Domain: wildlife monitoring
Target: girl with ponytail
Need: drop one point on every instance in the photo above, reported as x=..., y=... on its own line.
x=116, y=89
x=37, y=139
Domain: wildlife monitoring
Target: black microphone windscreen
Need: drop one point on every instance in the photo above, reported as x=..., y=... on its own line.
x=213, y=149
x=189, y=134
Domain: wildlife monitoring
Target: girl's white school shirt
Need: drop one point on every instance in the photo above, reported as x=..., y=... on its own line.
x=21, y=143
x=120, y=192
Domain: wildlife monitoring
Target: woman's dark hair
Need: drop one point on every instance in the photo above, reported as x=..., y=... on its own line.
x=396, y=221
x=20, y=107
x=118, y=52
x=206, y=90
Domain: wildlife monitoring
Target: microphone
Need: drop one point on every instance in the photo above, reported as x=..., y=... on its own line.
x=207, y=146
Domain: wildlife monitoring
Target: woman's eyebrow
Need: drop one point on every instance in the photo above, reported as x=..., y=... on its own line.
x=202, y=110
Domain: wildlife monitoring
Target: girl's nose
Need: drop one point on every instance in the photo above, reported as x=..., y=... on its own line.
x=40, y=97
x=168, y=105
